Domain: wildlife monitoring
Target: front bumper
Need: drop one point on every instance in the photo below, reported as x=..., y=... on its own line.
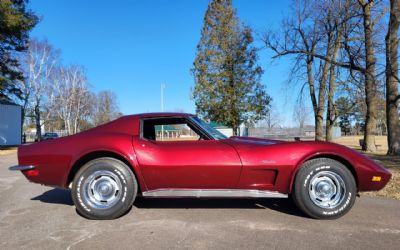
x=21, y=168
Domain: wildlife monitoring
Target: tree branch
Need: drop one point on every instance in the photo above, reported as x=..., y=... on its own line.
x=340, y=64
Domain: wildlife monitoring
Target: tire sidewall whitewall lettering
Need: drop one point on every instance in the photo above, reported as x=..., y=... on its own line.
x=336, y=179
x=121, y=195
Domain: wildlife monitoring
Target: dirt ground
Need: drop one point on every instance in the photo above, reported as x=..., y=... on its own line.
x=392, y=190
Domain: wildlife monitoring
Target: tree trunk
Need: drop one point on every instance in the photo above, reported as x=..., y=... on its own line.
x=319, y=126
x=24, y=108
x=392, y=76
x=23, y=114
x=235, y=131
x=329, y=130
x=311, y=85
x=330, y=114
x=319, y=122
x=370, y=83
x=37, y=122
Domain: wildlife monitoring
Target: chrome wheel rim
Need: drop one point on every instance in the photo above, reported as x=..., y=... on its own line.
x=102, y=189
x=327, y=189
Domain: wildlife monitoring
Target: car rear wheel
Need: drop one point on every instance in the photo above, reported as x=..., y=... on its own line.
x=104, y=189
x=324, y=189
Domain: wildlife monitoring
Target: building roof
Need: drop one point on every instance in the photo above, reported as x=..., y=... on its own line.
x=8, y=103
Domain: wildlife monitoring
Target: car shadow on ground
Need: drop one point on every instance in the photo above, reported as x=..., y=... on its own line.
x=55, y=196
x=63, y=197
x=281, y=205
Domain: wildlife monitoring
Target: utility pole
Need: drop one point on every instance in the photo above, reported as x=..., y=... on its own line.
x=162, y=87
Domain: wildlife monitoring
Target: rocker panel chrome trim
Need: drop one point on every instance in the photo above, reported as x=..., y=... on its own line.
x=217, y=193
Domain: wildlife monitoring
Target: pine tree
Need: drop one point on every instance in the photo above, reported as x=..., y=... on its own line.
x=227, y=77
x=345, y=110
x=15, y=23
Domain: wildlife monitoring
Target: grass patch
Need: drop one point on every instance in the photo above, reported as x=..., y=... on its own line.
x=392, y=163
x=8, y=150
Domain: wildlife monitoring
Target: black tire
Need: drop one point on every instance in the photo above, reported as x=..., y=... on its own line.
x=104, y=189
x=317, y=192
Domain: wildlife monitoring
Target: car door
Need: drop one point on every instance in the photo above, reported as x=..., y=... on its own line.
x=184, y=160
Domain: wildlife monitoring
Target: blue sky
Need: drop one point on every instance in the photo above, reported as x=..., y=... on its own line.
x=131, y=47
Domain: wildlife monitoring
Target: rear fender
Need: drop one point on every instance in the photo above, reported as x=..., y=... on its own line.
x=128, y=156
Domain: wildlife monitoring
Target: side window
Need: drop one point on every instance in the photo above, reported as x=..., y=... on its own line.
x=168, y=129
x=175, y=132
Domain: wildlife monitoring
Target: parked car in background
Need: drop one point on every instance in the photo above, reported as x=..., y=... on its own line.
x=107, y=167
x=49, y=136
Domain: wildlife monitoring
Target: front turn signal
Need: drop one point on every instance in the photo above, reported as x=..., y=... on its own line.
x=376, y=178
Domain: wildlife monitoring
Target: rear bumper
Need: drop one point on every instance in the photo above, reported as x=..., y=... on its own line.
x=21, y=168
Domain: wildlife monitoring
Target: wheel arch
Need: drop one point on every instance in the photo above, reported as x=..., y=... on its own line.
x=99, y=154
x=332, y=156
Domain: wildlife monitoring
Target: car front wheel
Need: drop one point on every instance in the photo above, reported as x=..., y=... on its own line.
x=104, y=188
x=324, y=189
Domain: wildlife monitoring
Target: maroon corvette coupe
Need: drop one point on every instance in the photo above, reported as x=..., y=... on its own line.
x=179, y=155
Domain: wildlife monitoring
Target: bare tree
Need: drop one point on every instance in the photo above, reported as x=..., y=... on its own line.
x=272, y=120
x=106, y=108
x=70, y=97
x=370, y=77
x=300, y=114
x=392, y=79
x=59, y=95
x=313, y=37
x=356, y=23
x=40, y=61
x=300, y=38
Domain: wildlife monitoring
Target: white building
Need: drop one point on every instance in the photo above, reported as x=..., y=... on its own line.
x=10, y=124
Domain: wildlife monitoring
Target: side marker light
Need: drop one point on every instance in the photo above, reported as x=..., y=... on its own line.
x=376, y=178
x=32, y=172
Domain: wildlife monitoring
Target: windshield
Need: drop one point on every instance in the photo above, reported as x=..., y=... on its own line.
x=210, y=130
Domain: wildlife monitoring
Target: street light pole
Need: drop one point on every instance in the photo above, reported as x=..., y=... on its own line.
x=162, y=87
